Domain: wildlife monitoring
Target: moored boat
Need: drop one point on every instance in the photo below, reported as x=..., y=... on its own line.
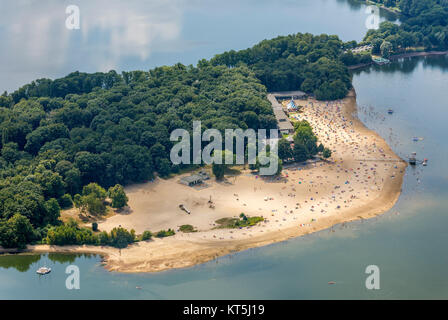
x=413, y=159
x=43, y=270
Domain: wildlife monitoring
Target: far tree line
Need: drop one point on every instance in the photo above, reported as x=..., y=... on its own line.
x=424, y=23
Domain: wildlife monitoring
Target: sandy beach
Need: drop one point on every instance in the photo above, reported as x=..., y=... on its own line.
x=362, y=179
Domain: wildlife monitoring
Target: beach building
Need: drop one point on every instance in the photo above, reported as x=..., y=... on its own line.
x=283, y=123
x=192, y=180
x=204, y=175
x=195, y=179
x=292, y=95
x=360, y=49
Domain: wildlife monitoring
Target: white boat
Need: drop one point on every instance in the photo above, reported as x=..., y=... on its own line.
x=43, y=270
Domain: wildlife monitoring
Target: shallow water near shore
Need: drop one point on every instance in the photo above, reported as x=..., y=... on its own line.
x=408, y=243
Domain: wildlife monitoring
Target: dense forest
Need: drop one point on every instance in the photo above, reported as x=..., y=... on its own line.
x=298, y=61
x=424, y=24
x=58, y=136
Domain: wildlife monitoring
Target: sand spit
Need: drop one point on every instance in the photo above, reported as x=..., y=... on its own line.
x=362, y=179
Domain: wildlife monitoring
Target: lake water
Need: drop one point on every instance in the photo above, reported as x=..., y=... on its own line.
x=139, y=35
x=408, y=243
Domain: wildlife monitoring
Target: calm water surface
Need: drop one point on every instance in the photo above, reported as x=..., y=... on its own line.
x=142, y=34
x=408, y=243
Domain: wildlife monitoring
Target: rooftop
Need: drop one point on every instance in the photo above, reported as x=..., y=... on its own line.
x=282, y=120
x=192, y=178
x=286, y=94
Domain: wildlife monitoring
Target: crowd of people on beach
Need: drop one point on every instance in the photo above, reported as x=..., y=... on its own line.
x=353, y=176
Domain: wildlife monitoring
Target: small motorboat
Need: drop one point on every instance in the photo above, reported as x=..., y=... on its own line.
x=425, y=162
x=413, y=159
x=43, y=270
x=390, y=111
x=415, y=139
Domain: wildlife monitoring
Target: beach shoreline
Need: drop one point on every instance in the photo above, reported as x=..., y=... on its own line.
x=185, y=250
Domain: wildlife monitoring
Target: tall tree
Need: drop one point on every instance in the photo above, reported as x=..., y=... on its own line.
x=118, y=196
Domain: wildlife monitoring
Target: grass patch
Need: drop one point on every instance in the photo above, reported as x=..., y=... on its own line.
x=165, y=233
x=187, y=228
x=235, y=223
x=146, y=235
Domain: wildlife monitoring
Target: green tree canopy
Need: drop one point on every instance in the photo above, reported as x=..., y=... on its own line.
x=118, y=196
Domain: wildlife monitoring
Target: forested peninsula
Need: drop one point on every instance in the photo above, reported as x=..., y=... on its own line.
x=78, y=139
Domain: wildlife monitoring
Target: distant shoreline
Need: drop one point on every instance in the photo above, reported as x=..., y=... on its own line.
x=418, y=54
x=186, y=250
x=391, y=10
x=401, y=56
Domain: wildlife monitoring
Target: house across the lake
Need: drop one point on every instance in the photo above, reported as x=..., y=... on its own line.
x=360, y=49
